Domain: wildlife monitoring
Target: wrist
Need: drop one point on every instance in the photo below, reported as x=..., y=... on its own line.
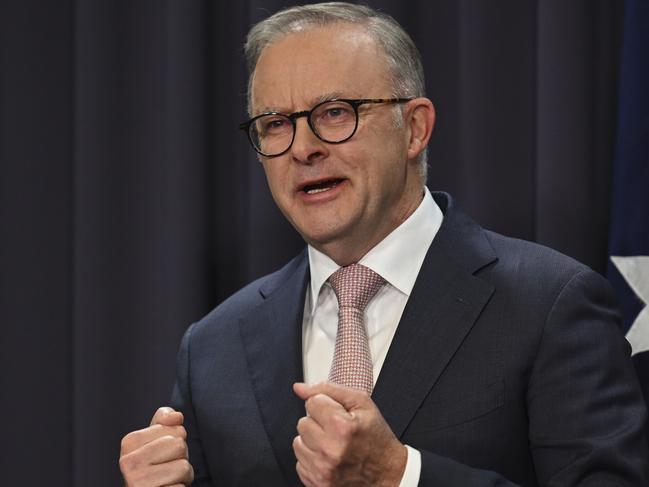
x=396, y=458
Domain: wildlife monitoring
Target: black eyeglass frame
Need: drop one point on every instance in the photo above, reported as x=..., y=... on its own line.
x=355, y=103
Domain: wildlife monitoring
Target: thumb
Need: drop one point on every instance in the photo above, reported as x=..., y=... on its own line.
x=167, y=416
x=347, y=397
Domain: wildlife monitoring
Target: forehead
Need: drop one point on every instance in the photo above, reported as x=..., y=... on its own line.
x=295, y=71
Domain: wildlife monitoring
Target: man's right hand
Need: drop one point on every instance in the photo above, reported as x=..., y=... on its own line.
x=157, y=456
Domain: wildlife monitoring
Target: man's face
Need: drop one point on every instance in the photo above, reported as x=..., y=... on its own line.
x=342, y=198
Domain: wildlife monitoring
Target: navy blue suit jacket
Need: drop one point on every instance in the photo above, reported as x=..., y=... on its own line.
x=507, y=368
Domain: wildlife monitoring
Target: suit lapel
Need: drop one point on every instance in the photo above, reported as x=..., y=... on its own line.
x=443, y=306
x=445, y=302
x=272, y=339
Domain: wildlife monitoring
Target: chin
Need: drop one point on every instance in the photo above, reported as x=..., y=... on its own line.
x=319, y=237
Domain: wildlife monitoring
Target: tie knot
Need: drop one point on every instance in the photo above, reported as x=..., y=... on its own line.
x=355, y=285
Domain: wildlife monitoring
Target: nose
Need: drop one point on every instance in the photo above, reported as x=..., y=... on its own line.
x=307, y=148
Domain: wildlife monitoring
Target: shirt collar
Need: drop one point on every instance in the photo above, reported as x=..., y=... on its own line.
x=397, y=258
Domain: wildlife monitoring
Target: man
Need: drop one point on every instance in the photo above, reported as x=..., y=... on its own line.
x=406, y=345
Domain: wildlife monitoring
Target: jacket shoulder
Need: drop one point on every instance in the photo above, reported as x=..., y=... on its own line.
x=247, y=299
x=533, y=269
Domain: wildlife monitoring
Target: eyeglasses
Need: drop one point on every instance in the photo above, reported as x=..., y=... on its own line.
x=332, y=121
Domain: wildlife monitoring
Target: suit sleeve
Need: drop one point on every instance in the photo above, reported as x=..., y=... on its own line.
x=585, y=409
x=181, y=401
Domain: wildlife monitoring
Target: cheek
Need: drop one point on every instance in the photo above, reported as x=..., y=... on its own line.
x=275, y=179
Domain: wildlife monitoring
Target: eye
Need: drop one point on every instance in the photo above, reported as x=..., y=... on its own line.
x=334, y=113
x=275, y=124
x=272, y=125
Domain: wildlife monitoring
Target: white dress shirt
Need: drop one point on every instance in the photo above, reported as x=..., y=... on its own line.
x=397, y=259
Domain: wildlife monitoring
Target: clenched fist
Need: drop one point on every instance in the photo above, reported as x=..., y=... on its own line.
x=157, y=456
x=344, y=440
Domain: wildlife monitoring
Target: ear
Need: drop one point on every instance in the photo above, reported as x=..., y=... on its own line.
x=421, y=121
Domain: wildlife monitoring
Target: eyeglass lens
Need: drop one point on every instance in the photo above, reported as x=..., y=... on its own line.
x=332, y=121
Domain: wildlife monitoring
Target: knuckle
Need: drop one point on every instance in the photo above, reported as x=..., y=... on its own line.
x=186, y=468
x=186, y=452
x=320, y=397
x=346, y=429
x=132, y=440
x=324, y=475
x=333, y=457
x=126, y=443
x=301, y=424
x=309, y=403
x=128, y=463
x=303, y=474
x=179, y=445
x=168, y=441
x=315, y=399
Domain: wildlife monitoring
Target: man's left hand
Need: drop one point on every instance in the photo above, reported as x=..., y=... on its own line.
x=344, y=439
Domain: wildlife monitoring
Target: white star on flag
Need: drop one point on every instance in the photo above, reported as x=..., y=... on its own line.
x=636, y=272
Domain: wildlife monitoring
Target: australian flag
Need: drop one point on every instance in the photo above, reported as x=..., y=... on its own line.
x=629, y=232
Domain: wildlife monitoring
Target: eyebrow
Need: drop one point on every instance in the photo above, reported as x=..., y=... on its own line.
x=327, y=97
x=314, y=101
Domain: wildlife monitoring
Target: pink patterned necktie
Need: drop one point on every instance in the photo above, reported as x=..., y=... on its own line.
x=355, y=286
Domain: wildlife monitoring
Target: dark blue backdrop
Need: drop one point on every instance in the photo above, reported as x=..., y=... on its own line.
x=130, y=204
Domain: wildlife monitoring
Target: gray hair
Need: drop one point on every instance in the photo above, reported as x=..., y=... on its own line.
x=403, y=58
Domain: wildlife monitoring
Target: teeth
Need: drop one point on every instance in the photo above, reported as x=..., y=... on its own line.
x=318, y=190
x=331, y=184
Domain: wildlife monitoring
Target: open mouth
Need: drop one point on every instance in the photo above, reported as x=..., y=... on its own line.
x=321, y=186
